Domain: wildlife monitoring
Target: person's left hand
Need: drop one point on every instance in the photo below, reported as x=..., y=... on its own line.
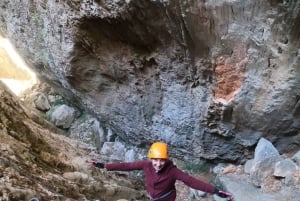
x=224, y=194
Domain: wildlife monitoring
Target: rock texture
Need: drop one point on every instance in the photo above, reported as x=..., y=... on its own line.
x=208, y=77
x=36, y=162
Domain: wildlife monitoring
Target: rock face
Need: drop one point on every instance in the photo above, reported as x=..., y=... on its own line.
x=35, y=162
x=208, y=77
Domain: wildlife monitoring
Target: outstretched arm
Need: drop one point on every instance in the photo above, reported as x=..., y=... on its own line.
x=124, y=166
x=200, y=185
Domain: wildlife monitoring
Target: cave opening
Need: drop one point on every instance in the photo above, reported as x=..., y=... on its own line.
x=14, y=72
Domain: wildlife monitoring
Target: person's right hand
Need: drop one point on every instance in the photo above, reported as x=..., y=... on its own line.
x=97, y=164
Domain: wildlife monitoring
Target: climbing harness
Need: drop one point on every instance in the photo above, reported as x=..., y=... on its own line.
x=34, y=199
x=161, y=197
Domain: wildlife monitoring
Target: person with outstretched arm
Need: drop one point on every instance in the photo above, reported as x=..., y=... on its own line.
x=161, y=175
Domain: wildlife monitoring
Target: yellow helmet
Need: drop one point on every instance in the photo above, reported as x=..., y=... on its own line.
x=158, y=150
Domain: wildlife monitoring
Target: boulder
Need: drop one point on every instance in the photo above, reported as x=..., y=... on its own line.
x=285, y=168
x=265, y=157
x=62, y=115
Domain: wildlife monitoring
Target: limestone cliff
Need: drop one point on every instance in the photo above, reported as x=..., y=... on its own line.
x=35, y=162
x=208, y=77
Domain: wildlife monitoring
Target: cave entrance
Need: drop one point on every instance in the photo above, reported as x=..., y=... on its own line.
x=14, y=72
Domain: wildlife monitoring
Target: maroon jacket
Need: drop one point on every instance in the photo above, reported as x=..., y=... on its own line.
x=158, y=184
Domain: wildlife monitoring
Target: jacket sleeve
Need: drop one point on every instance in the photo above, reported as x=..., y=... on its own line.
x=125, y=166
x=193, y=182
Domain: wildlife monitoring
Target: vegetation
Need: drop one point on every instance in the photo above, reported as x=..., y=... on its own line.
x=194, y=167
x=200, y=167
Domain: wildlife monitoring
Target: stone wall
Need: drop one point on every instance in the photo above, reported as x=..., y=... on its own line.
x=207, y=77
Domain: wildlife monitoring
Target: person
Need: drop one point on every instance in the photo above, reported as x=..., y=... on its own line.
x=161, y=174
